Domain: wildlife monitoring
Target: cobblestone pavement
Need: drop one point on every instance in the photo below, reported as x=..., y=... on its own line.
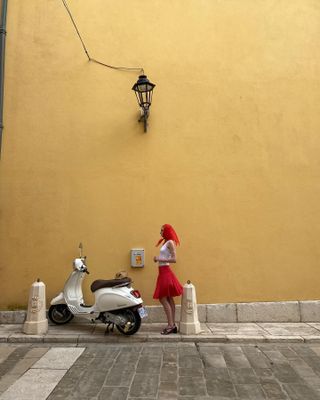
x=162, y=371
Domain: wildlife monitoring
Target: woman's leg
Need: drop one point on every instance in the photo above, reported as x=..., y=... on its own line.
x=173, y=309
x=168, y=310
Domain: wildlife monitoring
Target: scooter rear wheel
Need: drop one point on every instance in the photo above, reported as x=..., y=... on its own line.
x=134, y=318
x=60, y=314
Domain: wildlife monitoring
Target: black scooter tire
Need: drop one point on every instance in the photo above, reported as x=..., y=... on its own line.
x=134, y=318
x=60, y=314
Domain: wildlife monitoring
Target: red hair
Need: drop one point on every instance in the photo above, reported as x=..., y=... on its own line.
x=168, y=234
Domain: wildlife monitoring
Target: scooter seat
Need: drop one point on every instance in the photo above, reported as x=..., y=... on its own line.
x=100, y=283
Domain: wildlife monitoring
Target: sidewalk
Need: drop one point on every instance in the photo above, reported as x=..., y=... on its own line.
x=76, y=333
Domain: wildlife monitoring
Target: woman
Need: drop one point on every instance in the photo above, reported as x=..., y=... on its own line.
x=167, y=285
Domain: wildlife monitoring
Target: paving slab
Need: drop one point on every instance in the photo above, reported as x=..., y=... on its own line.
x=6, y=381
x=221, y=389
x=289, y=329
x=297, y=391
x=244, y=328
x=5, y=351
x=42, y=382
x=250, y=391
x=191, y=386
x=144, y=385
x=59, y=358
x=315, y=325
x=213, y=360
x=273, y=390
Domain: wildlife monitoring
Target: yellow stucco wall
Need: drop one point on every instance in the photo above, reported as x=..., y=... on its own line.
x=231, y=158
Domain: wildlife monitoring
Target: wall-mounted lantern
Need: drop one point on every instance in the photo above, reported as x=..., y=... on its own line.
x=143, y=89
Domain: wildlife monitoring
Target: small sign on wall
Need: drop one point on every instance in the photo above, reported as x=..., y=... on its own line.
x=137, y=258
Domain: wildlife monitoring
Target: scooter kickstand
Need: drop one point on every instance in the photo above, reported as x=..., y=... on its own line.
x=107, y=331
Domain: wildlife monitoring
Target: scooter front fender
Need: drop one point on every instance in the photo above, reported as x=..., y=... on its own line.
x=58, y=299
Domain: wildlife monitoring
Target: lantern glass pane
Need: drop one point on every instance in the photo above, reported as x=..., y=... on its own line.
x=145, y=97
x=137, y=96
x=144, y=87
x=141, y=99
x=150, y=96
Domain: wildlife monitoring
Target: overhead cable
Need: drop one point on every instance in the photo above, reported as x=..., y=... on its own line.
x=86, y=51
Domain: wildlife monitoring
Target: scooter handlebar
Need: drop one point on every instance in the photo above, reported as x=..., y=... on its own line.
x=87, y=272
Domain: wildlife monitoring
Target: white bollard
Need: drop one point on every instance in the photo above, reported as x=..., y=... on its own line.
x=36, y=322
x=189, y=322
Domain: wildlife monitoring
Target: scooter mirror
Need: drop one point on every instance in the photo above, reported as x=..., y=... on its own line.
x=80, y=249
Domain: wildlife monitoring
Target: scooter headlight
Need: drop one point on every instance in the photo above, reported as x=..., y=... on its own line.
x=78, y=264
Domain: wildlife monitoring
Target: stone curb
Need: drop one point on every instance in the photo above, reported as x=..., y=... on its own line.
x=80, y=339
x=282, y=311
x=210, y=333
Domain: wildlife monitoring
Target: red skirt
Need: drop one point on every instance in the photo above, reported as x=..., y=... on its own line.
x=167, y=284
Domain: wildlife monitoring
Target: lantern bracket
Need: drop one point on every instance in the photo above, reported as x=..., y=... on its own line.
x=144, y=118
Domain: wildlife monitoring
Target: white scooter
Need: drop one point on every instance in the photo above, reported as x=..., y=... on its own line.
x=116, y=302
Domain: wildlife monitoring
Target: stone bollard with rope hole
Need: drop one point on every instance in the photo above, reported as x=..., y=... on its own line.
x=189, y=322
x=36, y=322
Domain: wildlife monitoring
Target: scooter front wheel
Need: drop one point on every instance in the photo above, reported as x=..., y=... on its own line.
x=60, y=314
x=133, y=318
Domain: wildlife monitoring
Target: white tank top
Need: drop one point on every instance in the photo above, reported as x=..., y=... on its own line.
x=164, y=253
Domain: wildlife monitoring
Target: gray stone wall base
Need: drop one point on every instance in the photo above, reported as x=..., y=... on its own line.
x=13, y=317
x=222, y=312
x=156, y=313
x=282, y=311
x=310, y=311
x=288, y=311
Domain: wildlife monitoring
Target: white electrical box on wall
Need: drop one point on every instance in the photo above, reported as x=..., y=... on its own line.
x=137, y=258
